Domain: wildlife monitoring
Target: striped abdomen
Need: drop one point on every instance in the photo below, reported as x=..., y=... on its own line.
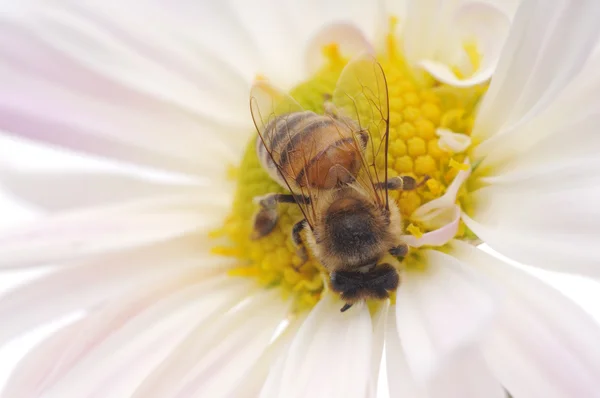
x=311, y=150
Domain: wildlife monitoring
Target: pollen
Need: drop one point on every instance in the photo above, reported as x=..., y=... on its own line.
x=417, y=110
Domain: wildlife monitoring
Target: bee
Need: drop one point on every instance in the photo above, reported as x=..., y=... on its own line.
x=328, y=164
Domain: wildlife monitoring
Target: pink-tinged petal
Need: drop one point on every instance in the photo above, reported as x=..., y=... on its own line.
x=175, y=315
x=350, y=39
x=448, y=199
x=343, y=373
x=466, y=376
x=74, y=81
x=64, y=190
x=440, y=236
x=105, y=331
x=205, y=362
x=547, y=46
x=83, y=286
x=442, y=311
x=87, y=232
x=542, y=344
x=484, y=25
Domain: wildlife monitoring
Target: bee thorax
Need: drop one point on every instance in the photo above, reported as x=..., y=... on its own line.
x=354, y=233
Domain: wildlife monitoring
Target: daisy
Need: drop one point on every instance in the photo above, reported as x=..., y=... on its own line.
x=176, y=300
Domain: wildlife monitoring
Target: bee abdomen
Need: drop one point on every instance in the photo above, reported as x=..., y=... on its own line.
x=310, y=150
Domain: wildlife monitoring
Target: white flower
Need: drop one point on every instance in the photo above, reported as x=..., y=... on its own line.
x=166, y=88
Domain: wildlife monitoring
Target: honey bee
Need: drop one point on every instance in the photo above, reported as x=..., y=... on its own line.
x=328, y=164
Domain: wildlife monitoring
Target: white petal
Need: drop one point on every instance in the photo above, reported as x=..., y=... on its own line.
x=465, y=376
x=90, y=284
x=547, y=221
x=440, y=236
x=400, y=379
x=280, y=35
x=448, y=199
x=251, y=384
x=350, y=39
x=319, y=362
x=64, y=190
x=543, y=344
x=453, y=142
x=235, y=354
x=379, y=330
x=442, y=311
x=141, y=336
x=480, y=23
x=547, y=46
x=127, y=325
x=105, y=93
x=92, y=231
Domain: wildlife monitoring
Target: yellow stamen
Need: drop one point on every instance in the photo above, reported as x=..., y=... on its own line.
x=414, y=230
x=459, y=166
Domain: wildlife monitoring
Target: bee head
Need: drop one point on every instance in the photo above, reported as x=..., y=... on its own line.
x=355, y=285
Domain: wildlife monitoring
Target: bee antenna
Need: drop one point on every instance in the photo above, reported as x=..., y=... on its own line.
x=345, y=307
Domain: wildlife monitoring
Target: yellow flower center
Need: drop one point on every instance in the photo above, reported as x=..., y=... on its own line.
x=420, y=113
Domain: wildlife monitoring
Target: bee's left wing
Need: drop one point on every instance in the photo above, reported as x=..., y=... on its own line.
x=267, y=103
x=361, y=95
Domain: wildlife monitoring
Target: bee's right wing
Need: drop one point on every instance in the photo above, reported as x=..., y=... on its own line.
x=267, y=104
x=361, y=95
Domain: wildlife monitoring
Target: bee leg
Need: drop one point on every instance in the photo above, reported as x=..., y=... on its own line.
x=399, y=251
x=402, y=183
x=266, y=218
x=297, y=239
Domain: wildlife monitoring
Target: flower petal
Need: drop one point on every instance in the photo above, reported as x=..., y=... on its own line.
x=90, y=284
x=92, y=231
x=465, y=376
x=441, y=312
x=348, y=37
x=543, y=344
x=251, y=384
x=419, y=35
x=400, y=379
x=548, y=220
x=128, y=342
x=119, y=332
x=105, y=95
x=379, y=330
x=65, y=190
x=484, y=25
x=235, y=354
x=547, y=46
x=440, y=236
x=319, y=363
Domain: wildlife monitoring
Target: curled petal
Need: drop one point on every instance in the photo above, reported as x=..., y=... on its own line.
x=484, y=25
x=440, y=236
x=453, y=142
x=350, y=39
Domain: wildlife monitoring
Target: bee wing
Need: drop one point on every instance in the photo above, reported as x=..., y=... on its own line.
x=267, y=103
x=361, y=95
